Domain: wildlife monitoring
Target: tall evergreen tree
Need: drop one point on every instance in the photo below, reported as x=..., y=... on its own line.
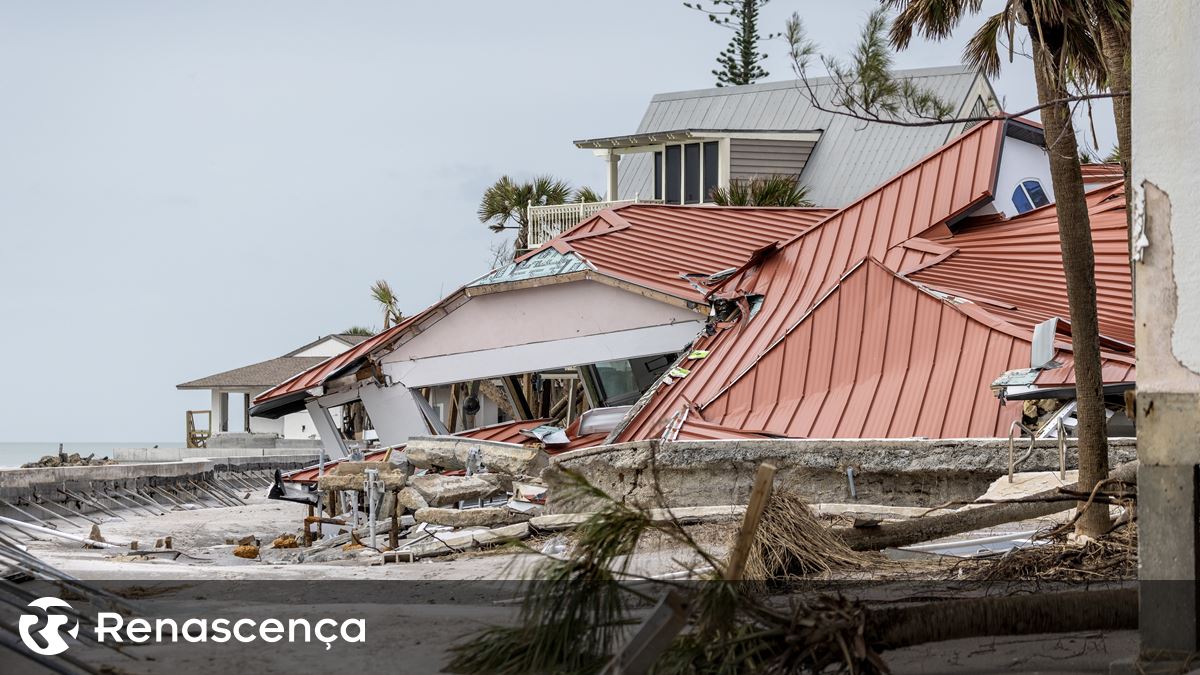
x=741, y=61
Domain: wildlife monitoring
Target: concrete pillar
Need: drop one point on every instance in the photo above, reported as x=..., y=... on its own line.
x=220, y=411
x=612, y=158
x=1166, y=207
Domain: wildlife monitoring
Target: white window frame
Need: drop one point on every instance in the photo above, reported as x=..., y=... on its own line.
x=1028, y=197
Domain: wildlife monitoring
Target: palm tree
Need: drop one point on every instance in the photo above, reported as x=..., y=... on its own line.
x=507, y=201
x=382, y=293
x=362, y=331
x=772, y=190
x=1063, y=46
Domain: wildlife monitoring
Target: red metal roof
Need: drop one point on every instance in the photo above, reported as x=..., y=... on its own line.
x=318, y=374
x=843, y=346
x=1014, y=267
x=1094, y=173
x=654, y=245
x=647, y=245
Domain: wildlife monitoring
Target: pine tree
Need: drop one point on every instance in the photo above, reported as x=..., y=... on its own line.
x=741, y=62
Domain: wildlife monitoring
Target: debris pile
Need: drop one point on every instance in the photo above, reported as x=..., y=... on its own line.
x=63, y=459
x=439, y=497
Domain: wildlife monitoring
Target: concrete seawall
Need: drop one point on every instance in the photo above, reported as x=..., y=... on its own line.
x=893, y=472
x=142, y=455
x=29, y=494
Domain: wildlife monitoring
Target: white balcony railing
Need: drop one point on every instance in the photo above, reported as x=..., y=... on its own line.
x=547, y=222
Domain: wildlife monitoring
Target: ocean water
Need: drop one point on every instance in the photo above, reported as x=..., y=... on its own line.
x=18, y=453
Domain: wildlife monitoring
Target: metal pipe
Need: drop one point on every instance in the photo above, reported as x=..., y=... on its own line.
x=1062, y=450
x=850, y=477
x=372, y=476
x=23, y=511
x=57, y=516
x=80, y=498
x=56, y=533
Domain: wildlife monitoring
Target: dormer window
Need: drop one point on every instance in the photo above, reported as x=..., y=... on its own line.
x=1029, y=195
x=686, y=173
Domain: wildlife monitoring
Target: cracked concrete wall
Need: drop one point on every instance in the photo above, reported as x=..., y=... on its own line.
x=891, y=472
x=1166, y=135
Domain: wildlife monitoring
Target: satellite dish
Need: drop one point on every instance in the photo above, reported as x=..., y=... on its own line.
x=1041, y=353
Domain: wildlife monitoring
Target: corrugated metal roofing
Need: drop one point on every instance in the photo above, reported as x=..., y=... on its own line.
x=851, y=156
x=877, y=358
x=1095, y=173
x=643, y=244
x=1015, y=268
x=318, y=374
x=654, y=245
x=843, y=346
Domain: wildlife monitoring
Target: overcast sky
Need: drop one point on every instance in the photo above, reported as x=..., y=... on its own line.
x=189, y=187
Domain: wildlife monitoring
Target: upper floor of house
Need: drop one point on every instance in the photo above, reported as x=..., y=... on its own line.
x=691, y=142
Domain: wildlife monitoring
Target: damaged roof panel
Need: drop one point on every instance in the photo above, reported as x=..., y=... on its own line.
x=869, y=353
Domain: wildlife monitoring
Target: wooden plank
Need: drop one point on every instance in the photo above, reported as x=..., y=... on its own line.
x=652, y=638
x=764, y=481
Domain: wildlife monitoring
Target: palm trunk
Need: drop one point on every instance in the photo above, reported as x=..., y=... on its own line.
x=1075, y=234
x=1114, y=46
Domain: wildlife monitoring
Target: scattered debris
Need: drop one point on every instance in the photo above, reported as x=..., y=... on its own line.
x=246, y=551
x=485, y=516
x=285, y=541
x=63, y=459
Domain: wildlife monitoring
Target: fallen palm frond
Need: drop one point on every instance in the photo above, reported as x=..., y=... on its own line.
x=575, y=610
x=790, y=542
x=578, y=612
x=1112, y=557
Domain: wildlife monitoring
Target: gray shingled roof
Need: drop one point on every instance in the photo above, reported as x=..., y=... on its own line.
x=264, y=374
x=851, y=157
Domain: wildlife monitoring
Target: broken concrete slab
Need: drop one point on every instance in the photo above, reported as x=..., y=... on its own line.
x=451, y=453
x=439, y=490
x=486, y=517
x=445, y=543
x=902, y=472
x=411, y=499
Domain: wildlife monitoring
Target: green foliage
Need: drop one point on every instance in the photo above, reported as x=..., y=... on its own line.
x=382, y=293
x=507, y=201
x=1080, y=60
x=586, y=194
x=772, y=190
x=740, y=61
x=359, y=330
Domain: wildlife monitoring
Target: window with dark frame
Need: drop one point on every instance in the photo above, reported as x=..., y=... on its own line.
x=691, y=173
x=672, y=174
x=658, y=160
x=712, y=161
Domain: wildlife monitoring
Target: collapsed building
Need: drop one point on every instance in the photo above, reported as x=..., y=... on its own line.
x=933, y=307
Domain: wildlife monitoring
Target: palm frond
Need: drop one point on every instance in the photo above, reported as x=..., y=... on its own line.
x=769, y=190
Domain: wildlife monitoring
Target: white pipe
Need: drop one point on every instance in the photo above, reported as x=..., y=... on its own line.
x=1012, y=536
x=56, y=533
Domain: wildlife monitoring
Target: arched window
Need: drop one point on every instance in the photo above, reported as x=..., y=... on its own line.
x=1029, y=195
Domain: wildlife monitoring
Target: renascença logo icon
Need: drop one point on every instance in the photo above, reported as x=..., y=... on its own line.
x=51, y=633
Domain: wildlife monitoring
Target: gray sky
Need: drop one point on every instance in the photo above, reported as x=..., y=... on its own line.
x=189, y=187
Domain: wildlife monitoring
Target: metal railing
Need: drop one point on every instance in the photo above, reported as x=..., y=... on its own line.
x=547, y=222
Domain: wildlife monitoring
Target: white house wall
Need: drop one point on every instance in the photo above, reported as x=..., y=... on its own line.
x=325, y=348
x=538, y=315
x=524, y=358
x=1019, y=161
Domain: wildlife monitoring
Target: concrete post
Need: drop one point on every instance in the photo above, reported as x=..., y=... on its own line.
x=612, y=158
x=1166, y=208
x=220, y=411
